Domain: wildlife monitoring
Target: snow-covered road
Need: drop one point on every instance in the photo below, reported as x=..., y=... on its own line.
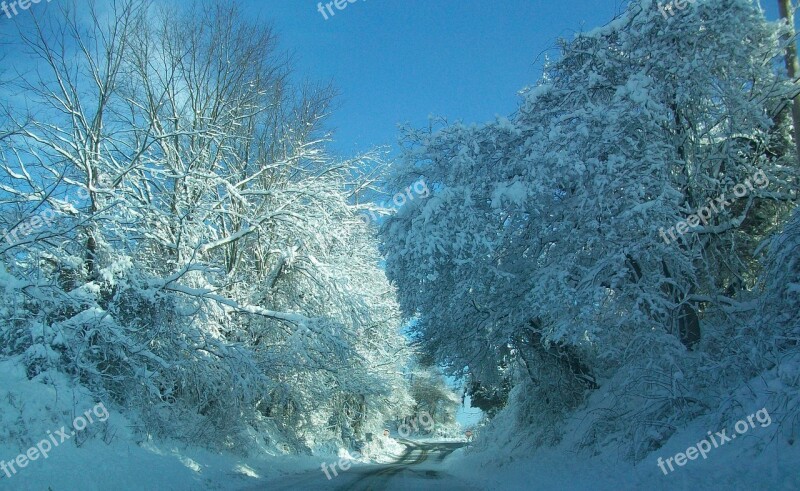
x=420, y=467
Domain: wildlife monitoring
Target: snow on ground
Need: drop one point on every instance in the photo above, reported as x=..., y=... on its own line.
x=108, y=453
x=379, y=451
x=115, y=457
x=765, y=455
x=734, y=467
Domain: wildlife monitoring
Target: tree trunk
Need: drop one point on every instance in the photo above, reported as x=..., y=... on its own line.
x=792, y=68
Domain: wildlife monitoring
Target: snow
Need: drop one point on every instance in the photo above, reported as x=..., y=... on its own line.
x=216, y=316
x=741, y=465
x=115, y=456
x=514, y=193
x=766, y=456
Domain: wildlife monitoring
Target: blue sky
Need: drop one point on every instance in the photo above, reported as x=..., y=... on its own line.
x=397, y=61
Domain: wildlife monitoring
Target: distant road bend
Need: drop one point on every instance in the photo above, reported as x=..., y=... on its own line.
x=420, y=467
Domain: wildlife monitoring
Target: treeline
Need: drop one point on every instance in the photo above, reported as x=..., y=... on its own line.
x=538, y=266
x=179, y=240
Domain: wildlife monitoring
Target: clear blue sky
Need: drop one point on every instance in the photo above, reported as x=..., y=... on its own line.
x=399, y=61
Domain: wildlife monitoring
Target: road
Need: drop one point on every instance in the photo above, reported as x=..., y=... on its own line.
x=420, y=467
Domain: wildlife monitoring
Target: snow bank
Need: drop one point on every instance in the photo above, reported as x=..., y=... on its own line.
x=764, y=457
x=108, y=454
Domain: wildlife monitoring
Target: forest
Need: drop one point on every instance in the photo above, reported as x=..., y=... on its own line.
x=608, y=271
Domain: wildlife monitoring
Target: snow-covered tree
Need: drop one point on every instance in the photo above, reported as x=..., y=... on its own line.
x=550, y=236
x=201, y=261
